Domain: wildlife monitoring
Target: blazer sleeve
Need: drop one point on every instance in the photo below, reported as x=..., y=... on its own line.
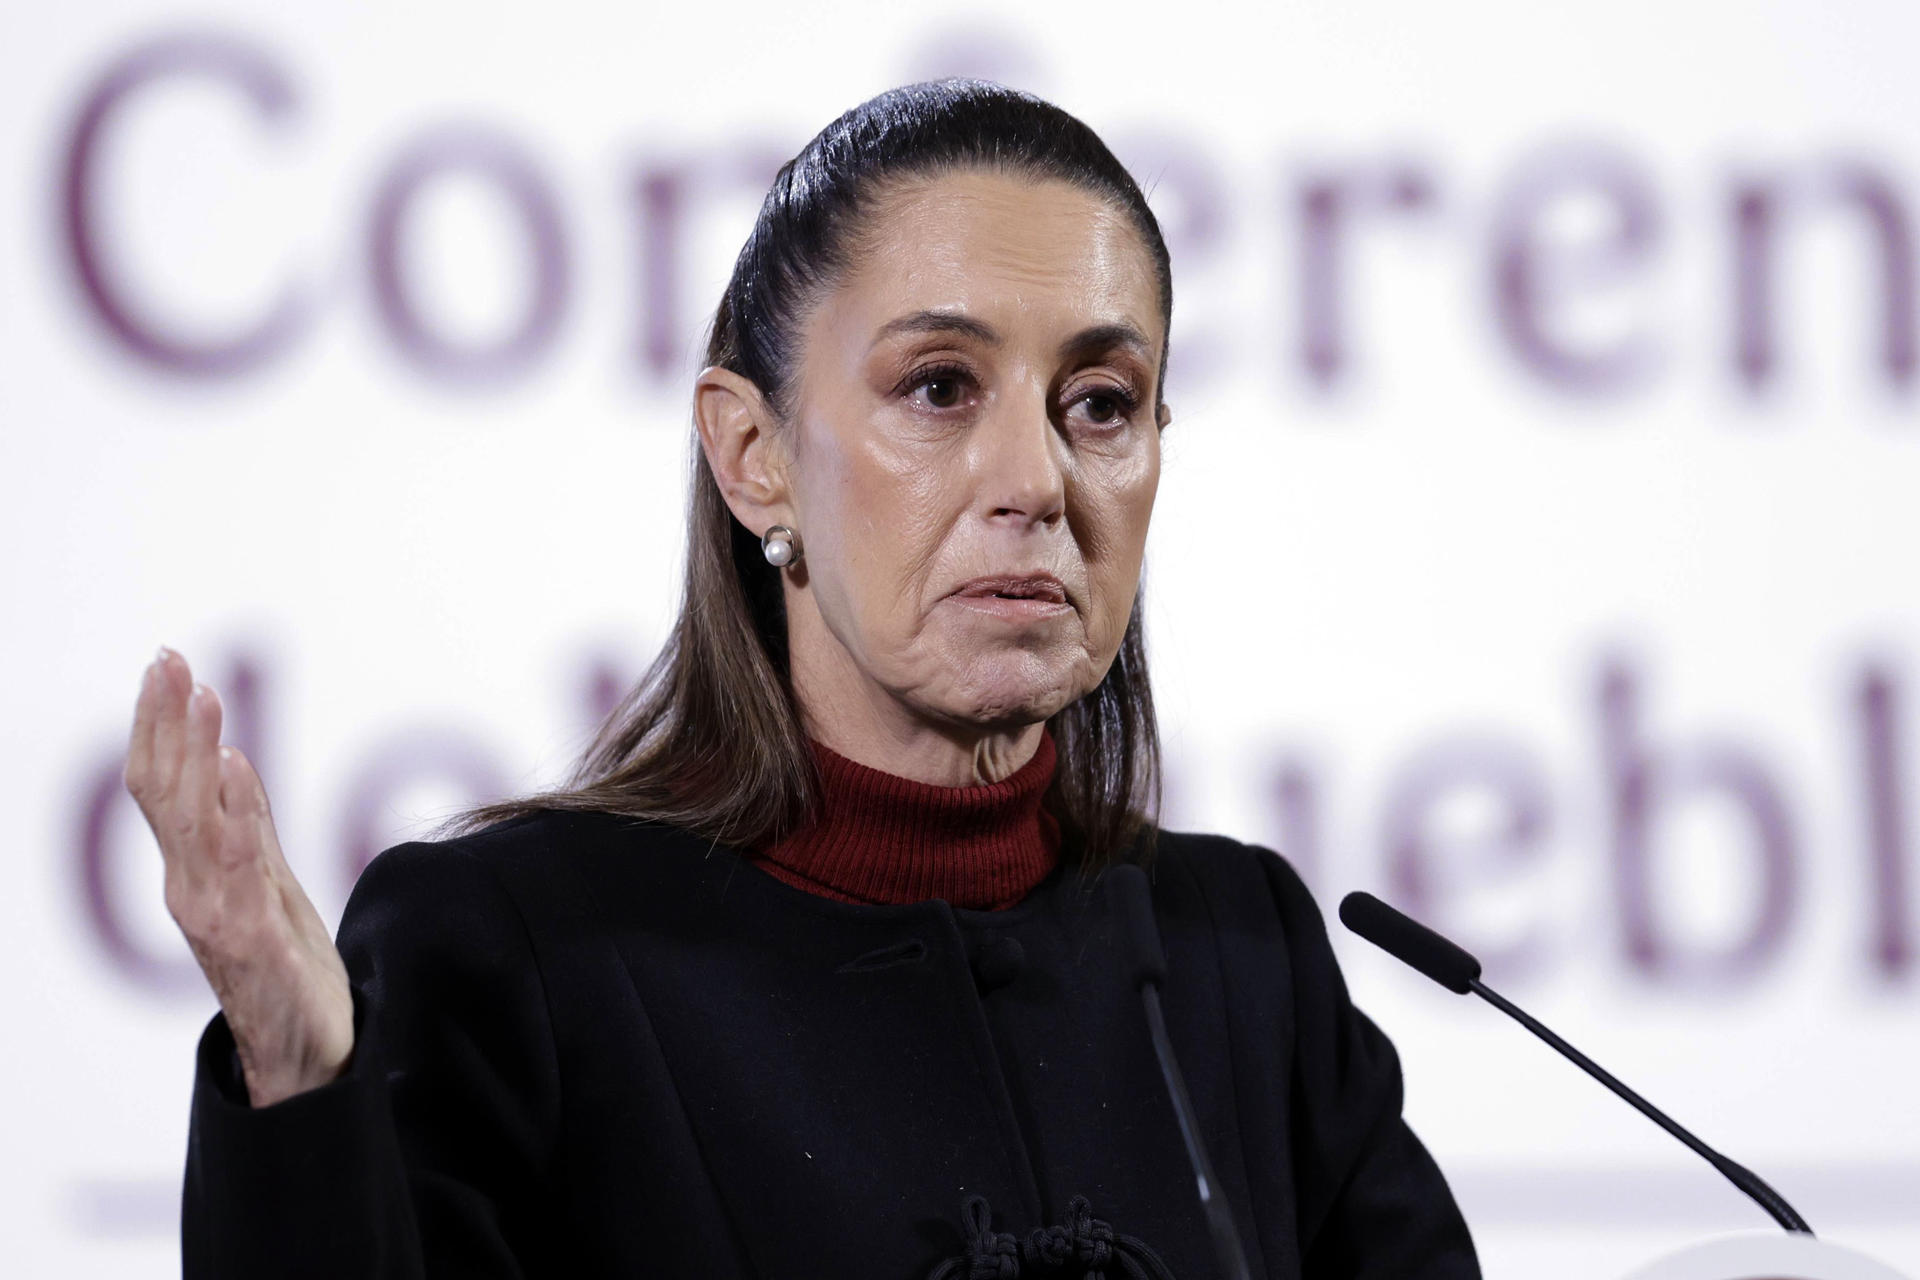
x=1373, y=1205
x=431, y=1155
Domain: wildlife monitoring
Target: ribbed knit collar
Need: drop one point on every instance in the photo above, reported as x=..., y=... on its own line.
x=881, y=838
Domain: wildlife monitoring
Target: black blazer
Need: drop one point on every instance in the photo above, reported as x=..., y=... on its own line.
x=589, y=1046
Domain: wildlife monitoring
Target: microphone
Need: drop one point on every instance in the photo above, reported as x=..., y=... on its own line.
x=1412, y=943
x=1147, y=970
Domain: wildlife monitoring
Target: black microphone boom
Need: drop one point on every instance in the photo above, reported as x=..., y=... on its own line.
x=1409, y=941
x=1140, y=943
x=1412, y=943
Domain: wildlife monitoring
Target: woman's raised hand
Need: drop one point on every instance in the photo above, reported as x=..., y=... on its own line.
x=264, y=949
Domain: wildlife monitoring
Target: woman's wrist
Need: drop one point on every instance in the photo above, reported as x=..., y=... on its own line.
x=267, y=1085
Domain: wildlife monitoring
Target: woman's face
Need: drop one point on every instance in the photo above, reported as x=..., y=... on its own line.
x=974, y=451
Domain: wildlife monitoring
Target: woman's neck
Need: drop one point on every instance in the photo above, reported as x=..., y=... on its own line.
x=848, y=712
x=930, y=755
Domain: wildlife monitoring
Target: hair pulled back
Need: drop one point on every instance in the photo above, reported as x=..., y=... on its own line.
x=710, y=739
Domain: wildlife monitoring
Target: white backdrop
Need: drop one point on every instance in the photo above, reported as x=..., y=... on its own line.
x=1535, y=544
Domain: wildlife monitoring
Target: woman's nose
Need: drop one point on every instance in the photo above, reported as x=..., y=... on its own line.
x=1022, y=467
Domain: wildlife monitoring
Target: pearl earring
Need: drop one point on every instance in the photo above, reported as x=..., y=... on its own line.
x=778, y=545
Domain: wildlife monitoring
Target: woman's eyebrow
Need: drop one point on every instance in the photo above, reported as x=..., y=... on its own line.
x=939, y=322
x=1116, y=334
x=1102, y=337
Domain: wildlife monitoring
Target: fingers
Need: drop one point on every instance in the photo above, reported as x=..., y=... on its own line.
x=248, y=815
x=197, y=798
x=221, y=868
x=140, y=743
x=242, y=796
x=173, y=767
x=151, y=769
x=173, y=681
x=243, y=802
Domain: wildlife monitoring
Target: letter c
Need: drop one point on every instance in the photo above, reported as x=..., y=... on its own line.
x=272, y=98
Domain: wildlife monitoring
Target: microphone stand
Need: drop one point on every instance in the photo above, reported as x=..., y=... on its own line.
x=1453, y=967
x=1140, y=940
x=1741, y=1176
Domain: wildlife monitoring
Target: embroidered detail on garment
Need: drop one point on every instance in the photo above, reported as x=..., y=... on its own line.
x=1081, y=1245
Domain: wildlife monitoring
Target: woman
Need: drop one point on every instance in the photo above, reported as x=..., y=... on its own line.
x=811, y=970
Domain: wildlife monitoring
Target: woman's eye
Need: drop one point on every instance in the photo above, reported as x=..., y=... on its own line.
x=944, y=388
x=1106, y=408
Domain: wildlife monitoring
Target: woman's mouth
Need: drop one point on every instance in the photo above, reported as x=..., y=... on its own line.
x=1015, y=596
x=1015, y=608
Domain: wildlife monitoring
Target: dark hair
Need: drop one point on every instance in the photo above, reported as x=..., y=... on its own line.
x=710, y=739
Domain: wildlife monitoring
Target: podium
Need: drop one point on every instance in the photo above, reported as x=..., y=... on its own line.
x=1765, y=1255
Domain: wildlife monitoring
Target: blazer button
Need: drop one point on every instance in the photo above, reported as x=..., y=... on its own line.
x=998, y=961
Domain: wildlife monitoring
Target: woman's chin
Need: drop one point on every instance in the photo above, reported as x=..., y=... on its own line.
x=1009, y=699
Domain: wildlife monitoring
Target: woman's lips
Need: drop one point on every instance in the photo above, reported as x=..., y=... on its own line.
x=1036, y=585
x=1016, y=597
x=1013, y=608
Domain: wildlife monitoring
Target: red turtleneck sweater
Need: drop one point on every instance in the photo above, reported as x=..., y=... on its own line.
x=881, y=838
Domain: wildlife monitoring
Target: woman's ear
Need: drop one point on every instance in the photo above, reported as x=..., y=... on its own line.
x=1164, y=416
x=743, y=452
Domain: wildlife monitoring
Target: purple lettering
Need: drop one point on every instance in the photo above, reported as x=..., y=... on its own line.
x=1530, y=276
x=271, y=96
x=1427, y=872
x=1757, y=208
x=1640, y=781
x=519, y=181
x=1891, y=935
x=1328, y=205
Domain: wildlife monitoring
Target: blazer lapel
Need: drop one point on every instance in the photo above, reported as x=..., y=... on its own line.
x=829, y=1058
